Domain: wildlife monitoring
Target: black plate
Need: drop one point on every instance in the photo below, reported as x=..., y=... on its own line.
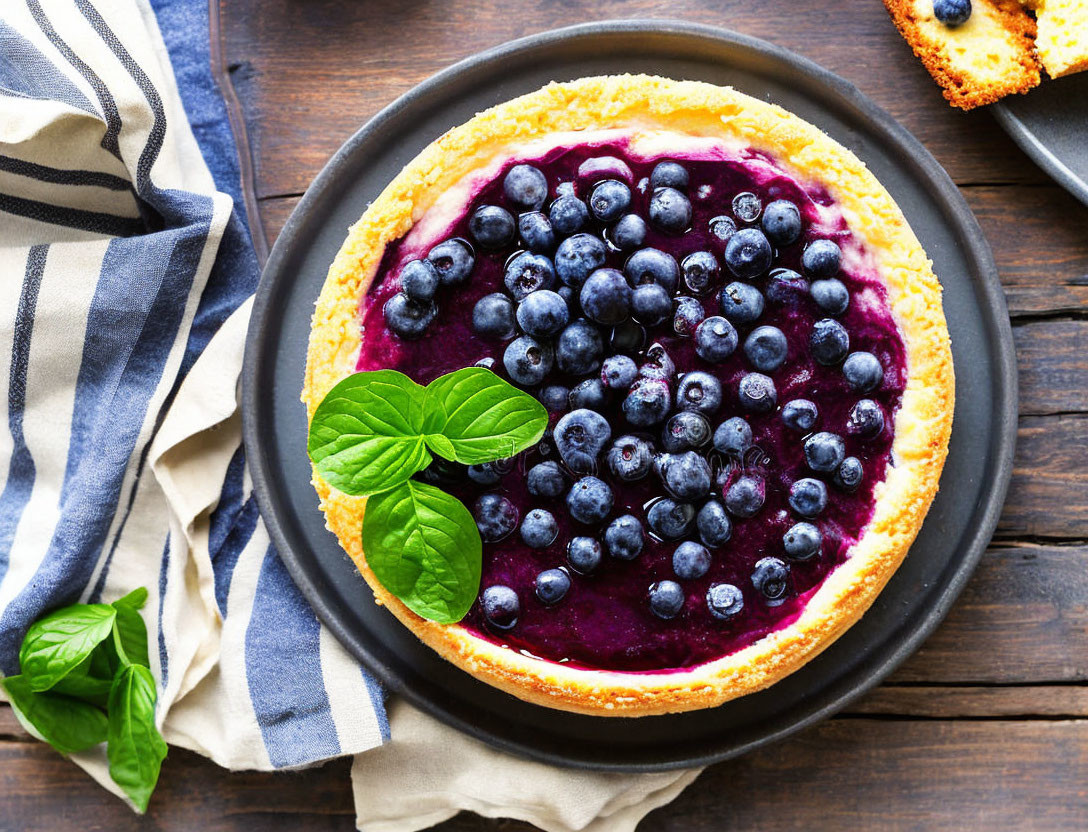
x=1050, y=124
x=958, y=527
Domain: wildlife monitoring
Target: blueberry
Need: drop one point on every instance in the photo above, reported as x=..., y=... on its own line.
x=701, y=272
x=545, y=479
x=552, y=586
x=866, y=420
x=589, y=500
x=651, y=265
x=618, y=372
x=863, y=371
x=527, y=273
x=715, y=527
x=800, y=415
x=493, y=316
x=690, y=561
x=487, y=362
x=526, y=187
x=757, y=393
x=831, y=296
x=771, y=578
x=766, y=348
x=669, y=519
x=628, y=338
x=590, y=394
x=568, y=214
x=577, y=257
x=495, y=517
x=539, y=529
x=724, y=601
x=486, y=473
x=850, y=474
x=570, y=298
x=746, y=206
x=741, y=303
x=580, y=437
x=785, y=287
x=527, y=361
x=536, y=232
x=685, y=430
x=699, y=391
x=657, y=364
x=670, y=211
x=650, y=304
x=733, y=436
x=687, y=315
x=715, y=339
x=501, y=606
x=578, y=350
x=745, y=497
x=609, y=199
x=442, y=472
x=802, y=541
x=722, y=228
x=952, y=12
x=491, y=226
x=606, y=297
x=687, y=475
x=748, y=253
x=406, y=317
x=453, y=259
x=808, y=497
x=829, y=341
x=584, y=554
x=669, y=175
x=824, y=452
x=554, y=397
x=666, y=599
x=542, y=313
x=630, y=458
x=419, y=280
x=822, y=258
x=648, y=402
x=604, y=167
x=782, y=222
x=628, y=233
x=624, y=537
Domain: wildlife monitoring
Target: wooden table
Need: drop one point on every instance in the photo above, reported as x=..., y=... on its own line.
x=986, y=725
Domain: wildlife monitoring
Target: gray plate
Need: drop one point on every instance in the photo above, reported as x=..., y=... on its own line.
x=958, y=527
x=1050, y=124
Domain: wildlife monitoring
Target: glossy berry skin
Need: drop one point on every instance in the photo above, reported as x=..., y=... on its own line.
x=486, y=473
x=690, y=561
x=609, y=199
x=669, y=175
x=684, y=431
x=746, y=206
x=584, y=554
x=733, y=436
x=850, y=474
x=701, y=272
x=821, y=259
x=785, y=287
x=624, y=537
x=495, y=517
x=650, y=304
x=666, y=599
x=527, y=361
x=606, y=297
x=722, y=228
x=526, y=187
x=568, y=215
x=453, y=260
x=715, y=339
x=658, y=364
x=590, y=394
x=651, y=265
x=669, y=519
x=552, y=586
x=745, y=497
x=952, y=12
x=580, y=437
x=800, y=415
x=863, y=372
x=670, y=211
x=741, y=303
x=406, y=317
x=579, y=347
x=771, y=579
x=757, y=393
x=618, y=372
x=724, y=601
x=539, y=529
x=546, y=479
x=536, y=232
x=630, y=458
x=829, y=342
x=782, y=223
x=501, y=606
x=493, y=316
x=579, y=256
x=766, y=348
x=419, y=280
x=808, y=497
x=748, y=253
x=554, y=397
x=628, y=233
x=686, y=475
x=589, y=500
x=628, y=338
x=802, y=541
x=866, y=419
x=831, y=296
x=687, y=315
x=492, y=227
x=824, y=452
x=542, y=314
x=528, y=273
x=699, y=391
x=715, y=527
x=648, y=402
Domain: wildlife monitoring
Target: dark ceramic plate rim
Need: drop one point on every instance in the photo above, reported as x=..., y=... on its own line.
x=924, y=167
x=1040, y=153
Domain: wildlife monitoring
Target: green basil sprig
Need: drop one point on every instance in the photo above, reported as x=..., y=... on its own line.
x=375, y=430
x=85, y=679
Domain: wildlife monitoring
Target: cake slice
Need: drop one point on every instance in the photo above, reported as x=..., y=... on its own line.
x=1062, y=41
x=978, y=62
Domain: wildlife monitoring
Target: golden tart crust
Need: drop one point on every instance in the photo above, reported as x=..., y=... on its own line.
x=922, y=424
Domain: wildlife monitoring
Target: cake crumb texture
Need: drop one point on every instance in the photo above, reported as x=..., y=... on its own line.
x=1062, y=40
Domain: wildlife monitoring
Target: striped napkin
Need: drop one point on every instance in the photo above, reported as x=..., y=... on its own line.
x=126, y=272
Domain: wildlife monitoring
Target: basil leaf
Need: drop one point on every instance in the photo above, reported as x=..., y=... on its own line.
x=84, y=683
x=130, y=635
x=134, y=600
x=484, y=417
x=56, y=644
x=424, y=547
x=136, y=748
x=366, y=435
x=66, y=724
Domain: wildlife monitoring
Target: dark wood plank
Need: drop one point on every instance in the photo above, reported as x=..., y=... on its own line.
x=972, y=702
x=1048, y=497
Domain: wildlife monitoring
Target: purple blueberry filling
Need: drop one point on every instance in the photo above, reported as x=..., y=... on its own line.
x=663, y=322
